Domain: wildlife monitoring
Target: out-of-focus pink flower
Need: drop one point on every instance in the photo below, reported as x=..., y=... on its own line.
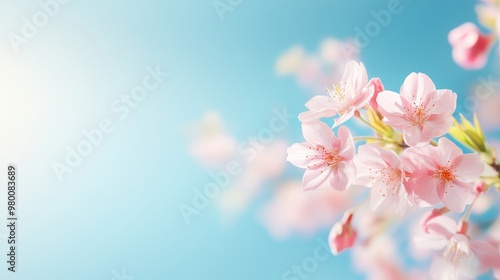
x=480, y=187
x=487, y=110
x=443, y=174
x=488, y=12
x=470, y=46
x=457, y=257
x=429, y=215
x=211, y=145
x=328, y=160
x=310, y=72
x=291, y=61
x=382, y=170
x=294, y=211
x=378, y=260
x=269, y=163
x=378, y=87
x=342, y=236
x=421, y=111
x=345, y=99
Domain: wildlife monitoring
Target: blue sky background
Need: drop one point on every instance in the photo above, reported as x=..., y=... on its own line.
x=119, y=207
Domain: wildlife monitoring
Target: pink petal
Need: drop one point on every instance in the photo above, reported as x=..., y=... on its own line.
x=413, y=136
x=437, y=125
x=378, y=87
x=425, y=187
x=343, y=176
x=444, y=101
x=316, y=178
x=389, y=104
x=443, y=226
x=486, y=253
x=321, y=102
x=315, y=115
x=416, y=86
x=363, y=97
x=299, y=154
x=355, y=74
x=372, y=155
x=448, y=151
x=346, y=142
x=455, y=197
x=318, y=133
x=345, y=116
x=468, y=167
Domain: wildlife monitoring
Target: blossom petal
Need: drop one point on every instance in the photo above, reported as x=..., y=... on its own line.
x=437, y=125
x=468, y=167
x=444, y=101
x=424, y=186
x=318, y=133
x=346, y=142
x=414, y=136
x=455, y=197
x=343, y=176
x=355, y=74
x=316, y=178
x=448, y=151
x=486, y=253
x=416, y=86
x=299, y=154
x=390, y=105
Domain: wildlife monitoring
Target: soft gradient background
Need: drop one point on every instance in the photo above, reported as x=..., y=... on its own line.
x=119, y=208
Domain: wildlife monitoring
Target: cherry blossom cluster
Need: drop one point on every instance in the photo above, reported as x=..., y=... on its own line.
x=407, y=164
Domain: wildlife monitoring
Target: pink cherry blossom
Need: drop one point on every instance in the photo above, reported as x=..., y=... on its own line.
x=470, y=46
x=382, y=170
x=293, y=211
x=328, y=160
x=421, y=111
x=443, y=174
x=345, y=99
x=457, y=257
x=210, y=143
x=378, y=87
x=342, y=236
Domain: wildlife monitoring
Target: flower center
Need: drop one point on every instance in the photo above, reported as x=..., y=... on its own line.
x=444, y=173
x=455, y=252
x=332, y=158
x=340, y=95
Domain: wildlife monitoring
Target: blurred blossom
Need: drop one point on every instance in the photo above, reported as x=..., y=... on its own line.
x=268, y=164
x=488, y=12
x=291, y=61
x=379, y=260
x=317, y=70
x=210, y=144
x=456, y=255
x=470, y=46
x=488, y=112
x=342, y=235
x=294, y=211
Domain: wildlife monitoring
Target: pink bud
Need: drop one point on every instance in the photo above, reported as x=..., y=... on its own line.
x=470, y=46
x=378, y=87
x=480, y=187
x=342, y=235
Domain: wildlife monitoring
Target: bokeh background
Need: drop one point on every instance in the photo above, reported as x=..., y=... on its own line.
x=118, y=212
